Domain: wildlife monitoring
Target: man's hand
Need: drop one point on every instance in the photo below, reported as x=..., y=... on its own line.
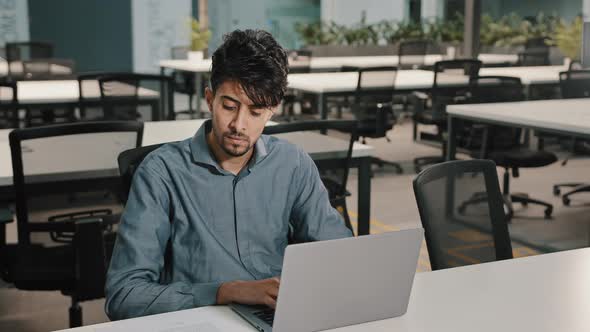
x=249, y=292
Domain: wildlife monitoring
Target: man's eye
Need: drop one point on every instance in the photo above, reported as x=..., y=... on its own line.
x=229, y=108
x=256, y=114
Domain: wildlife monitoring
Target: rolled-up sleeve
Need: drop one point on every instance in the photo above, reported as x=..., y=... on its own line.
x=314, y=218
x=133, y=285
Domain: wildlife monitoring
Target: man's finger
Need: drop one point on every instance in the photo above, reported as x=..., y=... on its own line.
x=269, y=301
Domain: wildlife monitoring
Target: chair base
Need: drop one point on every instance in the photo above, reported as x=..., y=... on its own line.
x=576, y=188
x=75, y=314
x=380, y=162
x=524, y=199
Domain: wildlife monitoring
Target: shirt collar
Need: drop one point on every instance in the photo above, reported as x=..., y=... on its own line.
x=203, y=155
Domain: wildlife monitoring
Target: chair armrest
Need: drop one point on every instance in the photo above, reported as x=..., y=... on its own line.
x=90, y=258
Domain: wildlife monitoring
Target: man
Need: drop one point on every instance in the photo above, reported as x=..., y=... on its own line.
x=208, y=219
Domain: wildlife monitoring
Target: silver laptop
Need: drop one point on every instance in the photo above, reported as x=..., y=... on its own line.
x=330, y=284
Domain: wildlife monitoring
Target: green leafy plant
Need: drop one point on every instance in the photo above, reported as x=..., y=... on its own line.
x=199, y=37
x=512, y=30
x=317, y=33
x=568, y=37
x=446, y=30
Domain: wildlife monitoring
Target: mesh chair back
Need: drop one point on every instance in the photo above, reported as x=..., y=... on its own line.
x=536, y=52
x=412, y=53
x=129, y=161
x=451, y=79
x=37, y=69
x=461, y=210
x=23, y=51
x=62, y=172
x=575, y=83
x=299, y=61
x=494, y=89
x=8, y=105
x=122, y=94
x=373, y=102
x=334, y=174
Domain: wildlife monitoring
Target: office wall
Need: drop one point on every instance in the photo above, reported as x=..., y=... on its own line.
x=276, y=16
x=348, y=12
x=157, y=26
x=14, y=21
x=95, y=33
x=568, y=9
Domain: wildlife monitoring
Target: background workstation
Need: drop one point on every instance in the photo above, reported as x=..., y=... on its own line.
x=422, y=120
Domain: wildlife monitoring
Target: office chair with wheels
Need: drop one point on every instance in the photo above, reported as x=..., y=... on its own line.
x=456, y=236
x=412, y=53
x=503, y=144
x=450, y=86
x=574, y=84
x=334, y=175
x=184, y=82
x=25, y=51
x=373, y=108
x=65, y=220
x=121, y=98
x=129, y=161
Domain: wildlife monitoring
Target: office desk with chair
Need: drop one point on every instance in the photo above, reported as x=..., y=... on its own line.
x=341, y=84
x=544, y=293
x=325, y=64
x=568, y=117
x=323, y=149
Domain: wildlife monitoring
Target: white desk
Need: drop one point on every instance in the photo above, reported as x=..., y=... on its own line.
x=16, y=67
x=569, y=117
x=328, y=63
x=336, y=84
x=544, y=293
x=101, y=164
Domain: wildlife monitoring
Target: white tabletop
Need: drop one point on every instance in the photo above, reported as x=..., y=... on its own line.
x=60, y=91
x=319, y=63
x=49, y=165
x=544, y=293
x=16, y=67
x=569, y=116
x=416, y=79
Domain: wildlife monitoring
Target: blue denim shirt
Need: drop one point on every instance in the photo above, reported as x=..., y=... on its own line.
x=190, y=225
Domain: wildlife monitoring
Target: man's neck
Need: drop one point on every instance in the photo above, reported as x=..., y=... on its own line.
x=229, y=163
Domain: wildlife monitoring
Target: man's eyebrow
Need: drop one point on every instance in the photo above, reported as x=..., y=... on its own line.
x=250, y=107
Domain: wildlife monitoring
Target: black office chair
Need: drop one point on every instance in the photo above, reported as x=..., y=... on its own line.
x=412, y=53
x=65, y=225
x=536, y=52
x=120, y=96
x=8, y=105
x=450, y=86
x=299, y=62
x=129, y=161
x=574, y=84
x=456, y=236
x=26, y=51
x=184, y=82
x=502, y=144
x=373, y=108
x=334, y=175
x=89, y=95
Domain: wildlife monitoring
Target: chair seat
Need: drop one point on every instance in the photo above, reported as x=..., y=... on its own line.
x=522, y=158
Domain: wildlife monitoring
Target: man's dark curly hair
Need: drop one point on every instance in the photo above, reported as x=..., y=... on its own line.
x=255, y=60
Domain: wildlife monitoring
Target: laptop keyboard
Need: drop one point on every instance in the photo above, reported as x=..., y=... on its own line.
x=267, y=315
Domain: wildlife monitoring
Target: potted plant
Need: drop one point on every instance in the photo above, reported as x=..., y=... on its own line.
x=568, y=38
x=199, y=40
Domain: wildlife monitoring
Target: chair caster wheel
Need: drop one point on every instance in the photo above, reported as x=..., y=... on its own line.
x=556, y=191
x=566, y=201
x=548, y=213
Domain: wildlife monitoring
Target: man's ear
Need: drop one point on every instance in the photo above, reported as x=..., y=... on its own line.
x=209, y=96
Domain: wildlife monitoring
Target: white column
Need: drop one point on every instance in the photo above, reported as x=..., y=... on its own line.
x=157, y=26
x=14, y=21
x=432, y=9
x=586, y=10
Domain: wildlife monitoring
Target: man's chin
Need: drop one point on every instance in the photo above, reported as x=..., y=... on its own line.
x=235, y=151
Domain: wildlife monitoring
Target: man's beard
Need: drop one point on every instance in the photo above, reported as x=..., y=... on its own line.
x=235, y=150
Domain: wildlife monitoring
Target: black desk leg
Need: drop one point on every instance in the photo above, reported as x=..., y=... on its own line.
x=364, y=196
x=451, y=139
